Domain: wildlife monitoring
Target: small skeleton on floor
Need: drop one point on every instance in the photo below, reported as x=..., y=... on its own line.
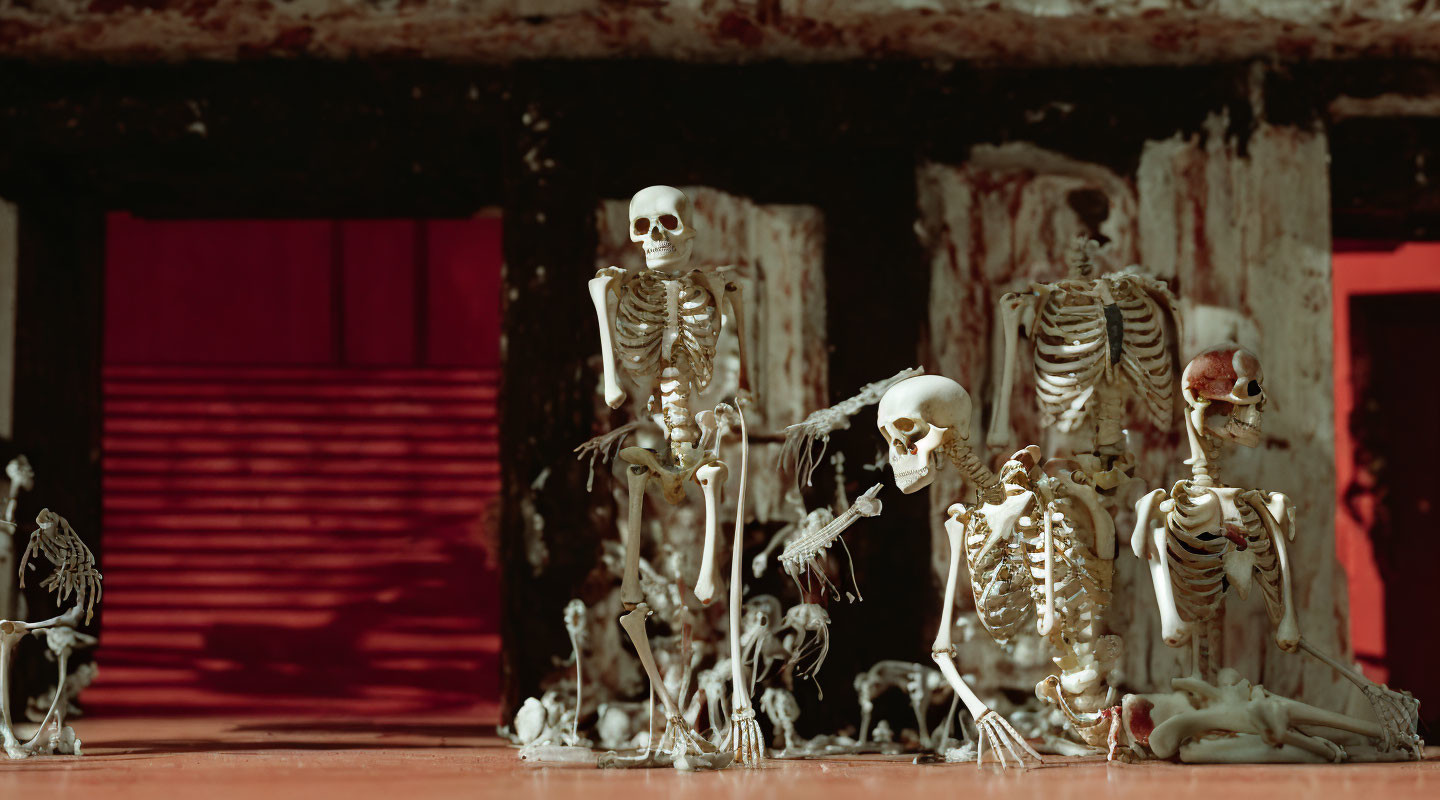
x=924, y=419
x=923, y=685
x=1203, y=537
x=1100, y=343
x=74, y=575
x=663, y=327
x=558, y=738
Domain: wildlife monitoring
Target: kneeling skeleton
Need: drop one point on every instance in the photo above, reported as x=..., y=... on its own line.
x=1033, y=544
x=1203, y=537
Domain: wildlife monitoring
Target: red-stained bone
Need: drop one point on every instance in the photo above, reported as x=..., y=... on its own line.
x=1236, y=535
x=1212, y=374
x=1138, y=720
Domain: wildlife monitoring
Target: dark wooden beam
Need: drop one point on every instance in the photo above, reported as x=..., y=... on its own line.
x=60, y=302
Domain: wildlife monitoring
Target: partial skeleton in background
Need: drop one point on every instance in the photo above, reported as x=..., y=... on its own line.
x=1203, y=538
x=1101, y=343
x=923, y=686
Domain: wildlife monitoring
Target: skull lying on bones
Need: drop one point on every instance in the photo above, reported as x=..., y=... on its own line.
x=1225, y=389
x=917, y=417
x=660, y=220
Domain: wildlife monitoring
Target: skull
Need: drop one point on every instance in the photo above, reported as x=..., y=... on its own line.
x=660, y=220
x=917, y=416
x=1224, y=387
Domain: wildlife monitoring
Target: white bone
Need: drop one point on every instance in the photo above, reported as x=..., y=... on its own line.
x=712, y=479
x=601, y=287
x=1009, y=319
x=916, y=417
x=666, y=248
x=803, y=552
x=630, y=593
x=1030, y=543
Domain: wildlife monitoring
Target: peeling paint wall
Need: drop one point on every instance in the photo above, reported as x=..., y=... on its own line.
x=1243, y=237
x=1010, y=31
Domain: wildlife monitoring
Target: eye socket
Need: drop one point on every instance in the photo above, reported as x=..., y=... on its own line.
x=669, y=222
x=642, y=226
x=904, y=425
x=1253, y=387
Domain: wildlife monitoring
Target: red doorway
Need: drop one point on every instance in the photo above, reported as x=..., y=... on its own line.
x=1387, y=328
x=300, y=467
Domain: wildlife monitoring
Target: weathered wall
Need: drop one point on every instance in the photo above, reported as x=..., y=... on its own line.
x=1241, y=232
x=1011, y=31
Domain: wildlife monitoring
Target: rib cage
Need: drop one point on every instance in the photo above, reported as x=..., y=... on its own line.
x=999, y=579
x=1072, y=350
x=1007, y=573
x=667, y=323
x=1196, y=555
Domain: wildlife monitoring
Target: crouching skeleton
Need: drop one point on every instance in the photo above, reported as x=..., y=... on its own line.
x=1100, y=342
x=663, y=329
x=1203, y=537
x=1032, y=542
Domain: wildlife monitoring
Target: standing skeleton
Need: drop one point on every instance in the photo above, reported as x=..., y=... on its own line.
x=663, y=329
x=1203, y=537
x=1033, y=544
x=1099, y=342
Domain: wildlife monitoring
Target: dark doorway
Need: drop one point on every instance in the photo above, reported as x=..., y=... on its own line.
x=300, y=466
x=1396, y=434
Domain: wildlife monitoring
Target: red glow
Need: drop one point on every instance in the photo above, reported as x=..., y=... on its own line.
x=298, y=480
x=1410, y=268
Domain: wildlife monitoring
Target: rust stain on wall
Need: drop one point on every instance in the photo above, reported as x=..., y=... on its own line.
x=1005, y=31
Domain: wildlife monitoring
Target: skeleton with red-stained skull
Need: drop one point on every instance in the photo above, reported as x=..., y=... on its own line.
x=1203, y=537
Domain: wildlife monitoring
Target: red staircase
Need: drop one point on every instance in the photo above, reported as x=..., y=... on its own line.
x=298, y=540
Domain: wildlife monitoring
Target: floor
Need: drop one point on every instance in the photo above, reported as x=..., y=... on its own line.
x=363, y=759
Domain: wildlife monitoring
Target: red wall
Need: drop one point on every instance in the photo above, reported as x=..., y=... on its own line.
x=1371, y=271
x=300, y=467
x=303, y=292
